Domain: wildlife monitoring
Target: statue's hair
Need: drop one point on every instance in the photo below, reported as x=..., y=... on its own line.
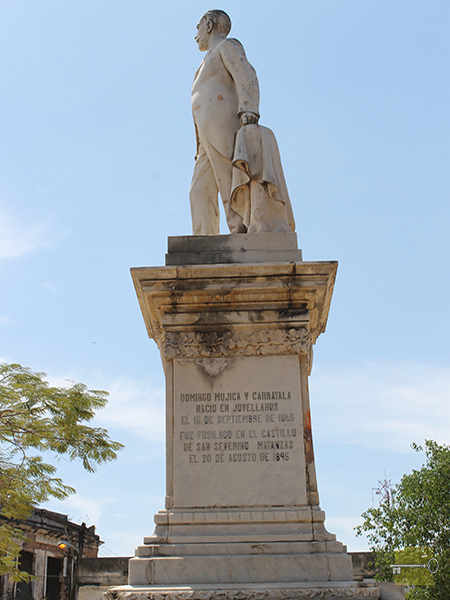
x=220, y=20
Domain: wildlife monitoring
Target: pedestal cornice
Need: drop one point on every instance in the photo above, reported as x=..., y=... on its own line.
x=188, y=310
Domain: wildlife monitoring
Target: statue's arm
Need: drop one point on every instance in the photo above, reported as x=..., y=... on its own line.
x=245, y=78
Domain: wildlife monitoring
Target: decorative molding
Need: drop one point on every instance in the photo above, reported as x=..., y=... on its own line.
x=312, y=593
x=160, y=303
x=234, y=297
x=281, y=515
x=211, y=344
x=213, y=366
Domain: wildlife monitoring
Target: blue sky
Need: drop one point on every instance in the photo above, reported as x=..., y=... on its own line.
x=97, y=147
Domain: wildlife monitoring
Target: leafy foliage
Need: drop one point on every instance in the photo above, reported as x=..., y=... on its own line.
x=417, y=515
x=36, y=418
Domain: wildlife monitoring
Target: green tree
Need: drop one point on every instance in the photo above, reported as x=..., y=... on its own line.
x=416, y=516
x=36, y=418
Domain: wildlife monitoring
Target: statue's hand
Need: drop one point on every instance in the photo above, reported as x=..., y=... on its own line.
x=249, y=118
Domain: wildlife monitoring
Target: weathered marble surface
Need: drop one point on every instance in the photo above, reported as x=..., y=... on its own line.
x=242, y=425
x=259, y=192
x=225, y=107
x=242, y=518
x=242, y=248
x=328, y=592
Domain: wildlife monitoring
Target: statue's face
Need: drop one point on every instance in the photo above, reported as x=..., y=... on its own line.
x=202, y=37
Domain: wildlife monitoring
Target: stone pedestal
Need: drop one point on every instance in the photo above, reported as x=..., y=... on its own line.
x=235, y=318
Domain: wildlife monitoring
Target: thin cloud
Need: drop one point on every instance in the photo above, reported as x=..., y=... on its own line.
x=82, y=509
x=116, y=544
x=17, y=239
x=47, y=285
x=137, y=407
x=381, y=406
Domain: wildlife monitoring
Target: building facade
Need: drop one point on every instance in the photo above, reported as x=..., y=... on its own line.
x=54, y=569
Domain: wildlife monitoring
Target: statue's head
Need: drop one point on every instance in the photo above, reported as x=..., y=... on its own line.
x=213, y=21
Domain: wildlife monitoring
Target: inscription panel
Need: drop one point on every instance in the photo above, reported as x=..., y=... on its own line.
x=238, y=432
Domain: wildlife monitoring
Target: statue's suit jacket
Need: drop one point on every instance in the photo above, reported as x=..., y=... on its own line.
x=225, y=86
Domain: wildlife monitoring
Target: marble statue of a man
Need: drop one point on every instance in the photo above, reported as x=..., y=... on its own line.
x=235, y=156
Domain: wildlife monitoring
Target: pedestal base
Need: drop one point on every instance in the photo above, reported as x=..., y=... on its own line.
x=280, y=545
x=311, y=591
x=265, y=563
x=268, y=546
